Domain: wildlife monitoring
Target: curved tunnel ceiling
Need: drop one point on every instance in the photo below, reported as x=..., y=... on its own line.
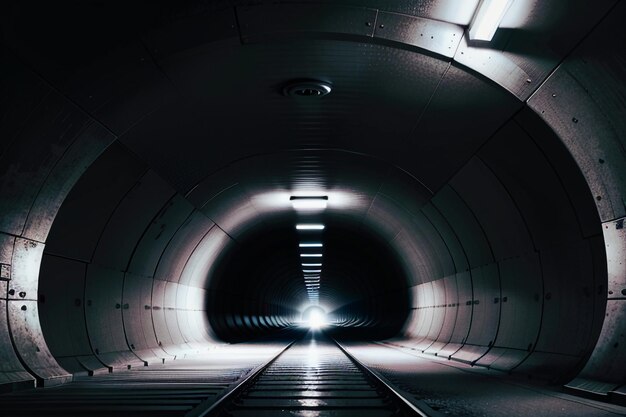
x=471, y=164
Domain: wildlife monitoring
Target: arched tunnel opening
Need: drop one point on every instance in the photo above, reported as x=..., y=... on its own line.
x=361, y=286
x=465, y=244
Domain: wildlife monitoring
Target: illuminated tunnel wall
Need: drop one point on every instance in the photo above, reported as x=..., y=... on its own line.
x=476, y=194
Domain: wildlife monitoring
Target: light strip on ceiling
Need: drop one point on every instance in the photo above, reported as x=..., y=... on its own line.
x=309, y=226
x=487, y=18
x=309, y=202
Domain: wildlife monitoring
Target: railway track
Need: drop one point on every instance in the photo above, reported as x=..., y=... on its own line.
x=315, y=376
x=312, y=376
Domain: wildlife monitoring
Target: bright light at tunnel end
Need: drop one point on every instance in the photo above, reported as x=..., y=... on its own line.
x=317, y=320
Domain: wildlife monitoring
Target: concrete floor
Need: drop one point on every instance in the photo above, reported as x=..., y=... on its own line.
x=456, y=389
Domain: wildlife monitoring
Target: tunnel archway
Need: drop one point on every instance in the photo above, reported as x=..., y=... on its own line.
x=498, y=221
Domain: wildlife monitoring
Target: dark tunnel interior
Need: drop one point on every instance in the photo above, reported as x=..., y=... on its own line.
x=363, y=288
x=153, y=155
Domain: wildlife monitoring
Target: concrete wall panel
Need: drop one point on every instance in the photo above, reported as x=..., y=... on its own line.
x=181, y=246
x=202, y=260
x=30, y=343
x=25, y=266
x=611, y=345
x=171, y=320
x=489, y=108
x=129, y=221
x=485, y=313
x=464, y=313
x=539, y=194
x=439, y=310
x=451, y=310
x=137, y=317
x=521, y=302
x=158, y=235
x=568, y=290
x=12, y=372
x=426, y=309
x=91, y=142
x=103, y=313
x=448, y=235
x=91, y=203
x=162, y=333
x=464, y=224
x=62, y=310
x=52, y=126
x=492, y=206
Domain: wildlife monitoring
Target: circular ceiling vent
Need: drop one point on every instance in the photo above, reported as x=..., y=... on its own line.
x=307, y=88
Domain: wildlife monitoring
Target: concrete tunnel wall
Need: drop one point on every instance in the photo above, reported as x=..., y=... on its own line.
x=495, y=256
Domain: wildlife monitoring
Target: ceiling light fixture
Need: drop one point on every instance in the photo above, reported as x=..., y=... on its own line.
x=487, y=18
x=311, y=264
x=310, y=245
x=309, y=202
x=309, y=226
x=311, y=255
x=306, y=271
x=307, y=88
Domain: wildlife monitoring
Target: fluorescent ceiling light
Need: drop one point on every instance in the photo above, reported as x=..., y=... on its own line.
x=310, y=245
x=309, y=202
x=311, y=264
x=487, y=19
x=311, y=255
x=306, y=271
x=309, y=226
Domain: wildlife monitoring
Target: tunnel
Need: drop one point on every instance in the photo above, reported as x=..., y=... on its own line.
x=181, y=180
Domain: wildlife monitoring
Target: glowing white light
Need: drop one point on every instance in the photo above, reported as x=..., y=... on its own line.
x=310, y=245
x=311, y=264
x=317, y=319
x=311, y=255
x=307, y=271
x=309, y=202
x=309, y=226
x=487, y=19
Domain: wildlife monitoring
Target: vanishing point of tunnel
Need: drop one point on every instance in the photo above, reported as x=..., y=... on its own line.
x=313, y=208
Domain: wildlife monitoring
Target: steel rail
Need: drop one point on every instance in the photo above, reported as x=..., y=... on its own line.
x=418, y=407
x=211, y=406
